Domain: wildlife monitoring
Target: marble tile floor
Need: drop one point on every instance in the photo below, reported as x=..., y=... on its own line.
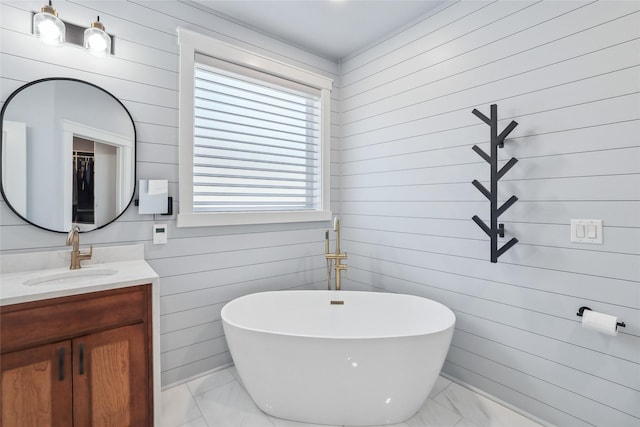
x=219, y=400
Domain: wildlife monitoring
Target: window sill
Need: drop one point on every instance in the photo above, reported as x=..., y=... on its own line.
x=206, y=219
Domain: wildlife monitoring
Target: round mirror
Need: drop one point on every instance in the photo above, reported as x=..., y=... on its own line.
x=68, y=155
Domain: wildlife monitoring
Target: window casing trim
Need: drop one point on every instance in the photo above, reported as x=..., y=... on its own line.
x=192, y=43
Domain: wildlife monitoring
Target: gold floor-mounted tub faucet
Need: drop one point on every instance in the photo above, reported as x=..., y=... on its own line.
x=336, y=257
x=73, y=240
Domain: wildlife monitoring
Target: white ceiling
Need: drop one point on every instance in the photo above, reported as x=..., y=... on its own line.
x=334, y=29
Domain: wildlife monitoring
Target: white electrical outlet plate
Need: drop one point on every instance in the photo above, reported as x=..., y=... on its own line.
x=159, y=234
x=586, y=231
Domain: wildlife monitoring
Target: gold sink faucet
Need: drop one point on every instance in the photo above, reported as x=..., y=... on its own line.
x=73, y=239
x=336, y=257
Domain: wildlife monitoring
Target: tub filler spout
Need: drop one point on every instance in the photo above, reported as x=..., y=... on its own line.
x=335, y=257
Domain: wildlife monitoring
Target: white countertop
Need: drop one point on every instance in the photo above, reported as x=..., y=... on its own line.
x=126, y=263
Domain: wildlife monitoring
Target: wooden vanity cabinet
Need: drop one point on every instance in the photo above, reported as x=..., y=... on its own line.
x=78, y=361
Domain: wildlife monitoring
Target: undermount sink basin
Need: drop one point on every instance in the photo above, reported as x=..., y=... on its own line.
x=71, y=276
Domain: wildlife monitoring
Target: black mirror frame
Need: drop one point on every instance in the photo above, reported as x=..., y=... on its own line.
x=135, y=148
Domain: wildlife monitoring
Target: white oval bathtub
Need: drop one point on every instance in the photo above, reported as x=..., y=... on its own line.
x=371, y=360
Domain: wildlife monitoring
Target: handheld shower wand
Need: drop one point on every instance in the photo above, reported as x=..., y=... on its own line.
x=329, y=261
x=336, y=228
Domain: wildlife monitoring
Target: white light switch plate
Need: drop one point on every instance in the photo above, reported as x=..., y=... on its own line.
x=586, y=231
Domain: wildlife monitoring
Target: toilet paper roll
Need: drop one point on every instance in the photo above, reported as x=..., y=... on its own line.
x=600, y=322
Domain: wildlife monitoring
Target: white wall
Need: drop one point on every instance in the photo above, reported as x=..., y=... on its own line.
x=569, y=73
x=200, y=268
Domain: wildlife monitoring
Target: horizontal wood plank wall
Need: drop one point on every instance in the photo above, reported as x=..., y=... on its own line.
x=569, y=73
x=200, y=268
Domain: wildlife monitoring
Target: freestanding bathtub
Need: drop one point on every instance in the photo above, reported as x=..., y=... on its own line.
x=338, y=357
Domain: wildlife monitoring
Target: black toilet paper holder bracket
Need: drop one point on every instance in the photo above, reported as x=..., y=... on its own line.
x=583, y=308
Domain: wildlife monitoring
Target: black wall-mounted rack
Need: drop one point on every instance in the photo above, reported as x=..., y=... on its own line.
x=497, y=141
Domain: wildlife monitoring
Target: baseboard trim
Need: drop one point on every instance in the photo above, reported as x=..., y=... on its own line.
x=499, y=401
x=194, y=377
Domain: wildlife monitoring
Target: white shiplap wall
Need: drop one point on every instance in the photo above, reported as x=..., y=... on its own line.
x=569, y=73
x=200, y=268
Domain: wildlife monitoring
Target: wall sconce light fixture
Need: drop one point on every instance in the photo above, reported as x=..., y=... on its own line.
x=53, y=31
x=96, y=39
x=48, y=26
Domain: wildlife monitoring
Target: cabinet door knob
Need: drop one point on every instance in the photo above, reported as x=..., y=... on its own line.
x=81, y=360
x=61, y=364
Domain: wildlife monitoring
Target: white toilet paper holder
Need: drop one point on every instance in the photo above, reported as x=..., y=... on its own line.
x=583, y=308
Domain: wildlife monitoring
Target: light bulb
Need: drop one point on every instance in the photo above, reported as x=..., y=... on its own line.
x=48, y=30
x=97, y=40
x=48, y=26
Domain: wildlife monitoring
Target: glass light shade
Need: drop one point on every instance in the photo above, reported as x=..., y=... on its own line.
x=97, y=40
x=48, y=27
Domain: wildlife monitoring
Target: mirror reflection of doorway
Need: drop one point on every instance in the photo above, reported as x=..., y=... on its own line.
x=110, y=171
x=95, y=182
x=83, y=181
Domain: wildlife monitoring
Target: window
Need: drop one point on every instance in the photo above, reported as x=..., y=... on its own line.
x=254, y=137
x=255, y=144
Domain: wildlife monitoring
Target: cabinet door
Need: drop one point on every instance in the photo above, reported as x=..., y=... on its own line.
x=110, y=383
x=37, y=387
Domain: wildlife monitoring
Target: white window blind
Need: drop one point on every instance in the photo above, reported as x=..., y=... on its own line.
x=256, y=141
